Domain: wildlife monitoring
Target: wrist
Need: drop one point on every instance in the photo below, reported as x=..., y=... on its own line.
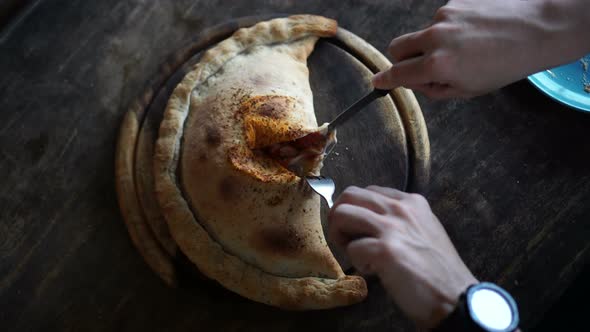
x=564, y=25
x=448, y=302
x=574, y=12
x=482, y=307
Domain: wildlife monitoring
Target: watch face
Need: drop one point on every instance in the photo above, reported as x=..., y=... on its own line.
x=492, y=308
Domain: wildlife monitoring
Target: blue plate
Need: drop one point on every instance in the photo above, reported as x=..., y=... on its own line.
x=566, y=84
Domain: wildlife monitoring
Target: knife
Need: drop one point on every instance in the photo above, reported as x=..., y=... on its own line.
x=355, y=108
x=328, y=132
x=347, y=114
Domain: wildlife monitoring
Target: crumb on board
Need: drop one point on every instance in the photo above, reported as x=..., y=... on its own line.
x=587, y=87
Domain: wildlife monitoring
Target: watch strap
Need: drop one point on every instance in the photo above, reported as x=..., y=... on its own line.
x=459, y=319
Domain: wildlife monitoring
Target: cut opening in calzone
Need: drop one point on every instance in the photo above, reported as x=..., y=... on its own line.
x=231, y=130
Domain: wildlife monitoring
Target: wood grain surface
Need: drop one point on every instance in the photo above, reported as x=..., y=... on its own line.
x=509, y=174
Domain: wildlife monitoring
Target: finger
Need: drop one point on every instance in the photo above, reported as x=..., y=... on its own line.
x=407, y=46
x=363, y=198
x=445, y=13
x=349, y=222
x=397, y=202
x=408, y=72
x=365, y=254
x=437, y=90
x=389, y=192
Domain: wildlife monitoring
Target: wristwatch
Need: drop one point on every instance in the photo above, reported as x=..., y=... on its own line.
x=483, y=307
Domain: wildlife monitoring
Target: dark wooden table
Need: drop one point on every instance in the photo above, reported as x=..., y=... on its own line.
x=509, y=175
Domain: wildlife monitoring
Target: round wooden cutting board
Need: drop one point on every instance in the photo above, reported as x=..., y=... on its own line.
x=386, y=144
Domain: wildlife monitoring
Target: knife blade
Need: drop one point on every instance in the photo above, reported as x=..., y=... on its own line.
x=356, y=107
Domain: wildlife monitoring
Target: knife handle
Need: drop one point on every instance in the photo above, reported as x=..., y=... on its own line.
x=382, y=92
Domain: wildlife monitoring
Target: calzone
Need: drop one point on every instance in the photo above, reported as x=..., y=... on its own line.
x=230, y=130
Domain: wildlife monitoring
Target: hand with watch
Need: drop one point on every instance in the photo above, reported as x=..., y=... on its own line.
x=395, y=236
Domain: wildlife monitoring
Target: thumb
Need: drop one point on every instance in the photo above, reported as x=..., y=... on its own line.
x=408, y=72
x=382, y=80
x=365, y=254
